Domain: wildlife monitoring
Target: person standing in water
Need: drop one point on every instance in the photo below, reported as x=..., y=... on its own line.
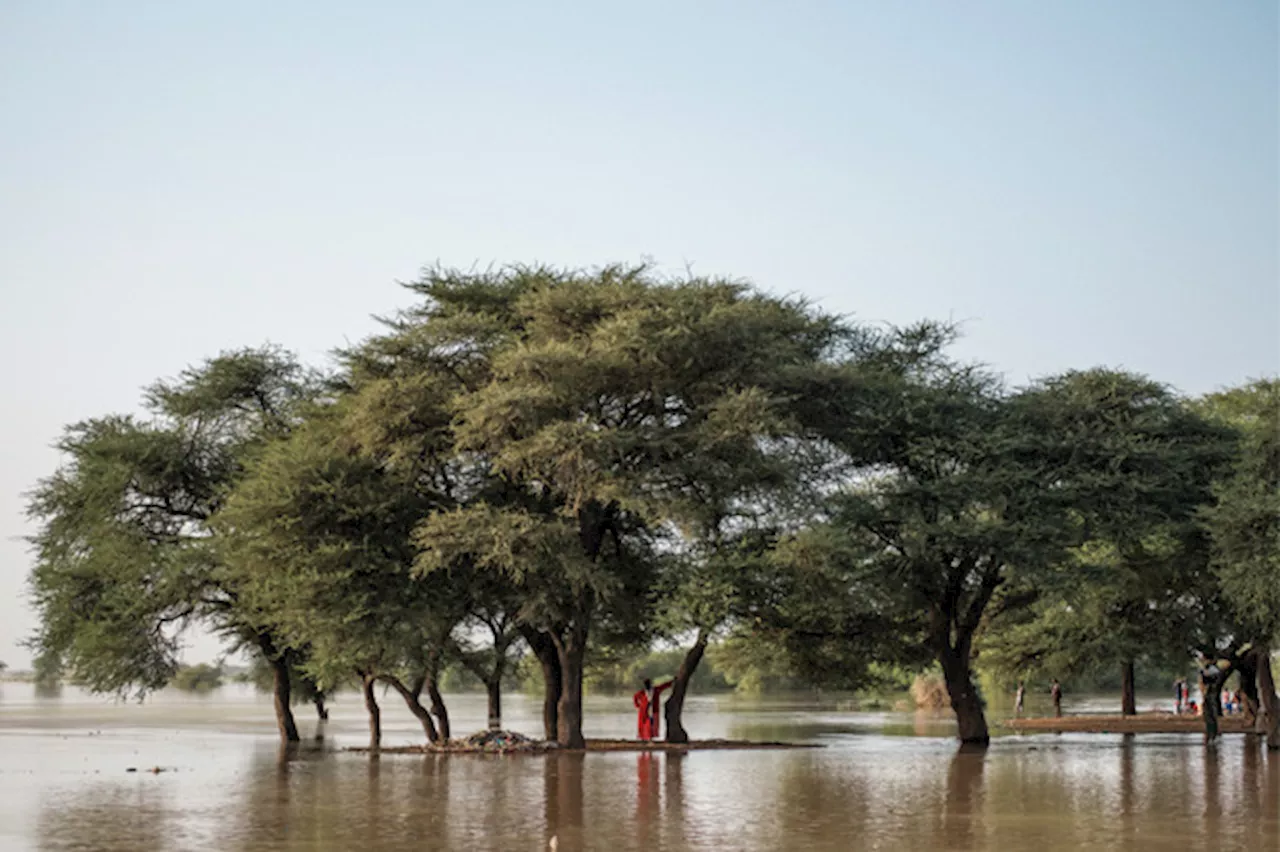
x=1055, y=692
x=1018, y=699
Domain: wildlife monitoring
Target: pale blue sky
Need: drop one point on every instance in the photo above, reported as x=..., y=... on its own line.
x=1080, y=182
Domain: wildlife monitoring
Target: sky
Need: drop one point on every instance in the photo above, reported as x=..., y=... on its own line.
x=1078, y=184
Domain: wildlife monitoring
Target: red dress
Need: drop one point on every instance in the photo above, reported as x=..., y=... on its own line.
x=655, y=705
x=644, y=719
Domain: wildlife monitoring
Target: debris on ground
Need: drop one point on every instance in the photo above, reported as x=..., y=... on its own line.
x=496, y=742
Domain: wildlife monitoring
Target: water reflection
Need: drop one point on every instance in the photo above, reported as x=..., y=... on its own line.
x=232, y=791
x=963, y=810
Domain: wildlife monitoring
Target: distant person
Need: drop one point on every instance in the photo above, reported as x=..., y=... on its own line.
x=1055, y=693
x=1018, y=698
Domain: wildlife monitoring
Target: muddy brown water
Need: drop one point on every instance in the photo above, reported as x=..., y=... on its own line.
x=884, y=781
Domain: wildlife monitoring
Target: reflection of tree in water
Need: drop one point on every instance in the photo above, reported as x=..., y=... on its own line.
x=962, y=813
x=562, y=786
x=124, y=816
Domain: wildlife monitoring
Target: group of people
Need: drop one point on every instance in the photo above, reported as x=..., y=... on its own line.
x=1184, y=704
x=1055, y=695
x=648, y=702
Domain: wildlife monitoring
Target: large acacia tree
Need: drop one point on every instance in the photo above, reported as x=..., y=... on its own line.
x=125, y=556
x=602, y=413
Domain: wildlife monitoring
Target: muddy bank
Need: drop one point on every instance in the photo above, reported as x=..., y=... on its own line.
x=1143, y=723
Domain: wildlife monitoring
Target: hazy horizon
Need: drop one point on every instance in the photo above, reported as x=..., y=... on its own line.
x=1078, y=185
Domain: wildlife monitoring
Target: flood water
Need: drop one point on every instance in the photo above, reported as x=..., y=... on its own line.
x=884, y=781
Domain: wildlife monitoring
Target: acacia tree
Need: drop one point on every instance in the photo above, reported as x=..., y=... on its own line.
x=1244, y=526
x=625, y=403
x=124, y=555
x=317, y=536
x=1139, y=464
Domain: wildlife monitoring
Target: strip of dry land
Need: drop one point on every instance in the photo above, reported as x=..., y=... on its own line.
x=544, y=747
x=1143, y=723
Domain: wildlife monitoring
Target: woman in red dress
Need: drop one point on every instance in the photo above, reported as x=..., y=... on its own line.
x=648, y=702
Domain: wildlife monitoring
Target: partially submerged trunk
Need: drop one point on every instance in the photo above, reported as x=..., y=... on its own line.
x=1268, y=720
x=572, y=653
x=1128, y=699
x=544, y=649
x=411, y=695
x=674, y=707
x=494, y=688
x=375, y=714
x=282, y=689
x=971, y=720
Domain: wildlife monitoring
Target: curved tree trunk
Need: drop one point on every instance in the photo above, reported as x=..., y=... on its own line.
x=375, y=714
x=544, y=649
x=1128, y=700
x=282, y=689
x=438, y=709
x=970, y=717
x=411, y=700
x=674, y=708
x=322, y=712
x=572, y=652
x=1268, y=721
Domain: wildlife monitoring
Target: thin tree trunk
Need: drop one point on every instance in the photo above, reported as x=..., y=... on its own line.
x=970, y=718
x=572, y=653
x=494, y=687
x=375, y=714
x=411, y=700
x=1268, y=721
x=544, y=649
x=674, y=708
x=1128, y=700
x=282, y=690
x=1248, y=668
x=322, y=712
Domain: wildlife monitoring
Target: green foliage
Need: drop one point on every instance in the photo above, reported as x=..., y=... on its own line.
x=1244, y=524
x=201, y=677
x=124, y=556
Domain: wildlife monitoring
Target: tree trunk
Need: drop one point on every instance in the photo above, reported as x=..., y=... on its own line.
x=544, y=649
x=572, y=652
x=322, y=712
x=1248, y=668
x=411, y=700
x=375, y=714
x=970, y=718
x=494, y=688
x=674, y=707
x=1268, y=721
x=1128, y=701
x=438, y=709
x=283, y=694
